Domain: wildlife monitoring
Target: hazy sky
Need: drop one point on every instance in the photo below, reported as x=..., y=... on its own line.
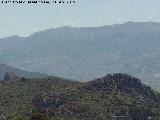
x=25, y=19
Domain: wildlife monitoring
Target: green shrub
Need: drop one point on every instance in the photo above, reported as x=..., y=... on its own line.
x=39, y=116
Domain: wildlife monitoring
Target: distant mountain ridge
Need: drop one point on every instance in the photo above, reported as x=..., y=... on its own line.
x=86, y=53
x=21, y=73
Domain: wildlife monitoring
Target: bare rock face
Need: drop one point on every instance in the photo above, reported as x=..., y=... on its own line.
x=10, y=76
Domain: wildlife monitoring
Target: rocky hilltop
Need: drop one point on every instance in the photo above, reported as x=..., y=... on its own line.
x=119, y=82
x=110, y=97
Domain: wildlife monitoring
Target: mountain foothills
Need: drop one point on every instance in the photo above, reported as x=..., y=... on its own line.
x=9, y=69
x=85, y=53
x=112, y=97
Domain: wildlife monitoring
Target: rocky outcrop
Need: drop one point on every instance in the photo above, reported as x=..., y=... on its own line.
x=119, y=82
x=61, y=106
x=43, y=102
x=10, y=76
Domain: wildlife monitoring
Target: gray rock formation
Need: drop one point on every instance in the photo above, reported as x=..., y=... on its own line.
x=10, y=76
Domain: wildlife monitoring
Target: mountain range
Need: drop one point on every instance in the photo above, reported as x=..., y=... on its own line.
x=88, y=52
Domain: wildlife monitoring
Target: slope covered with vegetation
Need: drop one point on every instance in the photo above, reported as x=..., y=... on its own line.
x=16, y=96
x=114, y=96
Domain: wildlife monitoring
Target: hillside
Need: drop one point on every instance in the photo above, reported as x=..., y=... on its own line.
x=6, y=68
x=16, y=95
x=114, y=96
x=131, y=47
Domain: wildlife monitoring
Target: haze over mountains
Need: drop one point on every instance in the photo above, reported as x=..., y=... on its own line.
x=86, y=53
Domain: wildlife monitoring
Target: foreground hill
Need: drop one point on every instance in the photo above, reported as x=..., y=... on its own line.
x=132, y=48
x=115, y=96
x=16, y=95
x=6, y=68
